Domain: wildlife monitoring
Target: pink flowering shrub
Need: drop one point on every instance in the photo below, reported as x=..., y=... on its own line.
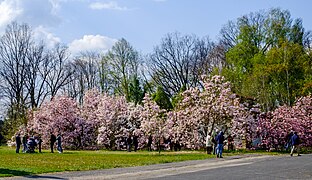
x=274, y=126
x=153, y=122
x=244, y=126
x=203, y=110
x=117, y=119
x=61, y=115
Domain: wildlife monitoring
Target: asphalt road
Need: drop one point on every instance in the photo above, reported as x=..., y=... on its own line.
x=235, y=167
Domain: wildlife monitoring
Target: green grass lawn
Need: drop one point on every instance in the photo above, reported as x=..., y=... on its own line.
x=12, y=164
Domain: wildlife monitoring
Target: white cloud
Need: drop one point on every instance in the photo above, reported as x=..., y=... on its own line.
x=32, y=12
x=91, y=43
x=9, y=10
x=43, y=34
x=110, y=5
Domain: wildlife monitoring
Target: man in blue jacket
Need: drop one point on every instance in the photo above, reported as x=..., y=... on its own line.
x=220, y=140
x=295, y=141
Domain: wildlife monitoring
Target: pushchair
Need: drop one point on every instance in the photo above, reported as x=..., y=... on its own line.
x=31, y=144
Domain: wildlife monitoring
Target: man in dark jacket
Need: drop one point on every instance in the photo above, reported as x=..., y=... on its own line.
x=295, y=141
x=220, y=140
x=129, y=143
x=52, y=141
x=135, y=142
x=18, y=142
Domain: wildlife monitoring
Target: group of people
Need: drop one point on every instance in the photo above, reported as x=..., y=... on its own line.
x=215, y=143
x=132, y=140
x=29, y=143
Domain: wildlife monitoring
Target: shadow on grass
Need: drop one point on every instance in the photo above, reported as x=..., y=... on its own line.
x=9, y=172
x=25, y=174
x=44, y=177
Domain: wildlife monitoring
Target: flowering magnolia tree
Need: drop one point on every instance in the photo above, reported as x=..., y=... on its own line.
x=274, y=126
x=201, y=110
x=106, y=120
x=153, y=122
x=61, y=115
x=118, y=119
x=91, y=101
x=244, y=126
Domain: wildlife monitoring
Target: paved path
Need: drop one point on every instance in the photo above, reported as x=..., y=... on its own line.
x=235, y=167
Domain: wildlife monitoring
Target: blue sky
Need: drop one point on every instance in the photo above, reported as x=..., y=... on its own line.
x=97, y=24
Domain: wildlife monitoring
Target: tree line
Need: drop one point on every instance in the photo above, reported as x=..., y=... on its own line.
x=266, y=56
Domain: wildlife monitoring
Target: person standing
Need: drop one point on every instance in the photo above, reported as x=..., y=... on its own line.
x=129, y=143
x=135, y=142
x=213, y=140
x=209, y=143
x=52, y=141
x=230, y=143
x=39, y=143
x=24, y=141
x=59, y=143
x=288, y=140
x=220, y=140
x=149, y=143
x=295, y=141
x=18, y=142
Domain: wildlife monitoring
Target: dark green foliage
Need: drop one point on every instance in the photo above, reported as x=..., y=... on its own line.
x=162, y=99
x=176, y=99
x=16, y=117
x=136, y=93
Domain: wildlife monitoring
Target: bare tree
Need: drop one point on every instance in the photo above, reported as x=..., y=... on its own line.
x=176, y=62
x=14, y=47
x=59, y=70
x=85, y=76
x=36, y=74
x=229, y=33
x=104, y=74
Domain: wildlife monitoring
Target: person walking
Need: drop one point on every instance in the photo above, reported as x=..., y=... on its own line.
x=52, y=141
x=295, y=141
x=220, y=140
x=209, y=143
x=59, y=143
x=18, y=142
x=24, y=141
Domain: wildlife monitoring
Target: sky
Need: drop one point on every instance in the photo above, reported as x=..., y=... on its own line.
x=95, y=25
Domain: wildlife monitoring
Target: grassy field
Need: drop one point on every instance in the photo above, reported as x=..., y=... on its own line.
x=12, y=164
